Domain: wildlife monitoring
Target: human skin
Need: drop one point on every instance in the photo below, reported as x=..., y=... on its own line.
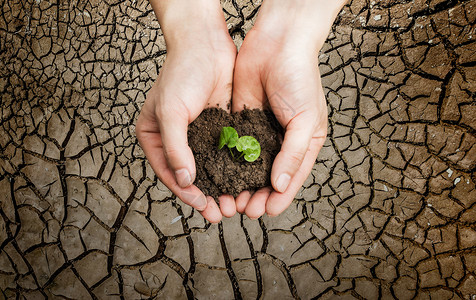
x=277, y=65
x=196, y=74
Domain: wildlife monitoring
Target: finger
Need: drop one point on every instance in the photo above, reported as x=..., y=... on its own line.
x=242, y=200
x=227, y=205
x=173, y=125
x=221, y=95
x=151, y=144
x=257, y=204
x=190, y=195
x=212, y=213
x=297, y=138
x=278, y=202
x=247, y=87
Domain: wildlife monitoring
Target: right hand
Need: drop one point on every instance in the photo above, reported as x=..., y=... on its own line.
x=197, y=73
x=277, y=64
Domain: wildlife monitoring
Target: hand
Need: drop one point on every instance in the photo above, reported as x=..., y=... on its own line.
x=278, y=63
x=197, y=73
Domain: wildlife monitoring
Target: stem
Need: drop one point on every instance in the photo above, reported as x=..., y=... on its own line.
x=232, y=154
x=239, y=157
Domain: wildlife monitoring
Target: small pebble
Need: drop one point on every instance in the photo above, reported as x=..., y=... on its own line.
x=450, y=172
x=175, y=220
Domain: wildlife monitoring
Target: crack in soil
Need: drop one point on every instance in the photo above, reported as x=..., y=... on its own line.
x=387, y=212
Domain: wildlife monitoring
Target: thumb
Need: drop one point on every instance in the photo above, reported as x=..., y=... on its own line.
x=173, y=130
x=297, y=138
x=247, y=87
x=247, y=90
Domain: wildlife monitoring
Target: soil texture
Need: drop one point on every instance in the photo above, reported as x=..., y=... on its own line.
x=218, y=172
x=388, y=211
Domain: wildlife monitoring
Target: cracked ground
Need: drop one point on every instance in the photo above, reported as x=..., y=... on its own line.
x=389, y=210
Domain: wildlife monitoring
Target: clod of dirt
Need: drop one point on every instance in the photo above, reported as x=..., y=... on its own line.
x=217, y=172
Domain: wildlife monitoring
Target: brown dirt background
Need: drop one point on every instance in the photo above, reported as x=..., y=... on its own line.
x=388, y=211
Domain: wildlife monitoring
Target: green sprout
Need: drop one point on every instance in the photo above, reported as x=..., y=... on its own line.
x=248, y=146
x=229, y=137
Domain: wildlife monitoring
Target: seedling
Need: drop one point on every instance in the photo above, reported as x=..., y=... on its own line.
x=229, y=137
x=248, y=146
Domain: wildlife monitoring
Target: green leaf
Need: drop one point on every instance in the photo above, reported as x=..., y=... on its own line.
x=228, y=136
x=250, y=147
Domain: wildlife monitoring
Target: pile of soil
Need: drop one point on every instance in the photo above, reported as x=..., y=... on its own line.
x=217, y=172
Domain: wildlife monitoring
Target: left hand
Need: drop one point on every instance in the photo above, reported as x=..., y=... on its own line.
x=197, y=74
x=278, y=63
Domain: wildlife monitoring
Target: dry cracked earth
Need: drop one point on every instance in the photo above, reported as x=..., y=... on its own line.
x=388, y=212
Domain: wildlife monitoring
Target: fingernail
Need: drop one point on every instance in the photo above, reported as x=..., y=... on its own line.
x=183, y=178
x=282, y=182
x=199, y=202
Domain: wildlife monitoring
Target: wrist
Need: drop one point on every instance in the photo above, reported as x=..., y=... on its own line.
x=188, y=23
x=303, y=23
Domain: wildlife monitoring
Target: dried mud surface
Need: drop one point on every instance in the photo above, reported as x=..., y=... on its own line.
x=388, y=211
x=218, y=172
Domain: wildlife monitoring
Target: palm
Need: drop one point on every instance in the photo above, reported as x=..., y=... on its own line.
x=188, y=83
x=265, y=73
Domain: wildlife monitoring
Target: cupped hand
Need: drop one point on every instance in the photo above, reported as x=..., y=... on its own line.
x=290, y=82
x=196, y=74
x=277, y=67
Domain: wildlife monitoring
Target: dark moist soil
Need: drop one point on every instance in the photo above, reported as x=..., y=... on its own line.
x=217, y=172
